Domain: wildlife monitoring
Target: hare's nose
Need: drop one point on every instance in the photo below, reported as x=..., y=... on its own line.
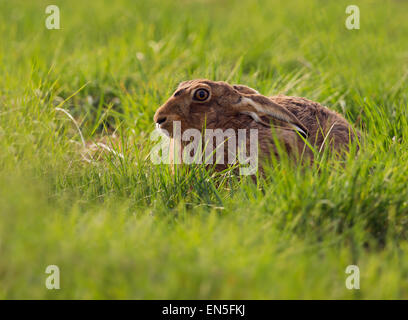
x=161, y=120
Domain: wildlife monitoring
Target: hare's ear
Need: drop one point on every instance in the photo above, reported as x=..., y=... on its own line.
x=257, y=104
x=244, y=89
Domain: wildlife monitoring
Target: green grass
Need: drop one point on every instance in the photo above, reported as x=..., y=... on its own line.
x=125, y=228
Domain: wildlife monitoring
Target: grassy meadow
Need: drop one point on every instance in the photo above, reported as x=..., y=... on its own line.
x=121, y=227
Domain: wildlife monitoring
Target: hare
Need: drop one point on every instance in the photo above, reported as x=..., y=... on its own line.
x=204, y=104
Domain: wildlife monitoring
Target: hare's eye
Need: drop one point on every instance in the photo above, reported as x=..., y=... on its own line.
x=201, y=94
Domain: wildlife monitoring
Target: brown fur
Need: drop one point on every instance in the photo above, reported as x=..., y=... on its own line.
x=240, y=107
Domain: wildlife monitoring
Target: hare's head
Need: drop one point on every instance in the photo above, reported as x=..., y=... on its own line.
x=201, y=103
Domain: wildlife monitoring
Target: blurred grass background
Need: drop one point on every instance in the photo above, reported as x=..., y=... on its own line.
x=125, y=228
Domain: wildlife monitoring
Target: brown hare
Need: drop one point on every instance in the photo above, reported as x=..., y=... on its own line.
x=204, y=104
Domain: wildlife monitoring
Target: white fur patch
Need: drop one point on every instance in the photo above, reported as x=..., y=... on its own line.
x=300, y=130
